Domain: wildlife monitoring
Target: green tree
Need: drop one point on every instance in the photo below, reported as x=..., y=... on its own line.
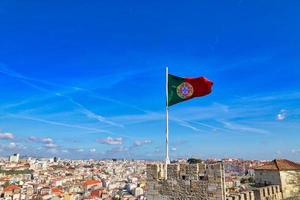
x=194, y=161
x=251, y=180
x=244, y=180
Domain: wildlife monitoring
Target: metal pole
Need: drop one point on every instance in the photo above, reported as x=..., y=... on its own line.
x=167, y=126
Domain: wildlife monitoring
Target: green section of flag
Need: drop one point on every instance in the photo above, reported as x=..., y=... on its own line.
x=173, y=83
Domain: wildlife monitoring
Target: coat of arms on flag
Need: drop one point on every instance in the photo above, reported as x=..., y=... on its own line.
x=185, y=90
x=181, y=89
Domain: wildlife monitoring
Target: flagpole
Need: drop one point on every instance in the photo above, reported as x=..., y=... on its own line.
x=167, y=126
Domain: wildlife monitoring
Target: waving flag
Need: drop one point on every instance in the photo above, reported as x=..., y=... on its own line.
x=182, y=89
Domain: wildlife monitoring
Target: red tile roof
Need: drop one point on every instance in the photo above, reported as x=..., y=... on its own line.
x=96, y=193
x=4, y=179
x=280, y=165
x=10, y=188
x=57, y=191
x=91, y=182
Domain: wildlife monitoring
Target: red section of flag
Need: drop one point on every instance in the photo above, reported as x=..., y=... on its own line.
x=202, y=86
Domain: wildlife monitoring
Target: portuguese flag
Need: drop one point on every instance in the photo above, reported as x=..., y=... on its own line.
x=182, y=89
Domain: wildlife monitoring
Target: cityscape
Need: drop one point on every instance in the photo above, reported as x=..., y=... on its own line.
x=149, y=100
x=228, y=179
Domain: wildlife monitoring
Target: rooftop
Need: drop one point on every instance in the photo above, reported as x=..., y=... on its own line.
x=91, y=182
x=10, y=188
x=57, y=191
x=280, y=165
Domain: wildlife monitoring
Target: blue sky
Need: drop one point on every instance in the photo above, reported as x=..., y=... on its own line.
x=85, y=79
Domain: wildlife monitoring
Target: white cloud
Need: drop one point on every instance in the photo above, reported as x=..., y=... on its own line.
x=47, y=140
x=120, y=149
x=291, y=95
x=295, y=151
x=59, y=123
x=6, y=136
x=174, y=149
x=64, y=151
x=278, y=152
x=142, y=142
x=190, y=115
x=243, y=128
x=50, y=145
x=52, y=151
x=33, y=139
x=88, y=113
x=110, y=140
x=12, y=145
x=185, y=124
x=92, y=150
x=99, y=118
x=281, y=115
x=44, y=140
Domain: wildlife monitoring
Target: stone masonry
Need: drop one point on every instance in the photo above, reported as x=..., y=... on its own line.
x=186, y=182
x=271, y=192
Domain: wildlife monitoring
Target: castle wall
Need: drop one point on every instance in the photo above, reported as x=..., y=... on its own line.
x=290, y=182
x=272, y=192
x=186, y=182
x=206, y=182
x=242, y=196
x=262, y=193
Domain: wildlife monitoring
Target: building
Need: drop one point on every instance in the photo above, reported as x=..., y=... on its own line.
x=280, y=172
x=138, y=191
x=186, y=181
x=11, y=192
x=14, y=158
x=92, y=184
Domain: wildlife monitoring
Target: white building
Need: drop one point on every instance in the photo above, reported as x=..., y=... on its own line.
x=280, y=172
x=14, y=158
x=138, y=191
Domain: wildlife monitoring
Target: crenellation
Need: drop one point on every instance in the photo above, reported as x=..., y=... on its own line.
x=271, y=192
x=258, y=194
x=173, y=171
x=182, y=169
x=201, y=168
x=192, y=171
x=201, y=182
x=152, y=172
x=188, y=182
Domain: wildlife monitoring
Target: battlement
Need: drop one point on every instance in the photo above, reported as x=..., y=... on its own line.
x=268, y=192
x=186, y=181
x=185, y=171
x=271, y=192
x=199, y=182
x=155, y=171
x=242, y=196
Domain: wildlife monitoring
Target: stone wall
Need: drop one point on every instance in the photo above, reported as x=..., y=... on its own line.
x=205, y=182
x=242, y=196
x=288, y=180
x=155, y=171
x=272, y=192
x=186, y=182
x=290, y=183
